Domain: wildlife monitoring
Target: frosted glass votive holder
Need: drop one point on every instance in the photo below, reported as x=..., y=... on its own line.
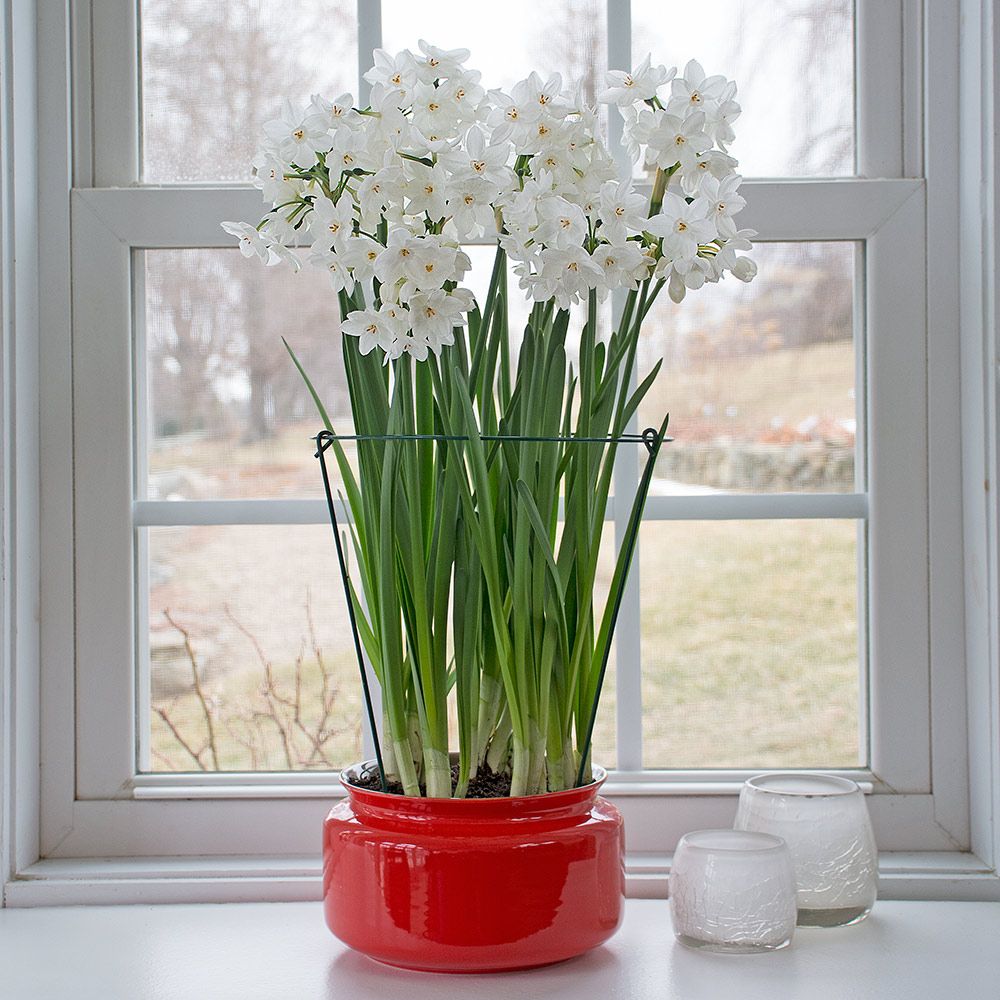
x=732, y=891
x=824, y=820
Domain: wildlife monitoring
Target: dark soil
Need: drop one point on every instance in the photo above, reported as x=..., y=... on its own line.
x=485, y=785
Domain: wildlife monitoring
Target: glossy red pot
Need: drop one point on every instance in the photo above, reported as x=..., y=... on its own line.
x=473, y=885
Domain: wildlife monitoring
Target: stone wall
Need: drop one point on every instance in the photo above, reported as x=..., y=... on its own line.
x=769, y=468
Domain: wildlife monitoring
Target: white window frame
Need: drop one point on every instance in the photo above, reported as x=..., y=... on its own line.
x=932, y=530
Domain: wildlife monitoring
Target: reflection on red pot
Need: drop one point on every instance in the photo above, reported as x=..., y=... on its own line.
x=473, y=885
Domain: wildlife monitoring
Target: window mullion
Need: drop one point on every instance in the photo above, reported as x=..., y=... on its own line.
x=116, y=83
x=878, y=77
x=369, y=39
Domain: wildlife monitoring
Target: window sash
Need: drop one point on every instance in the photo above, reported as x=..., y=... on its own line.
x=132, y=219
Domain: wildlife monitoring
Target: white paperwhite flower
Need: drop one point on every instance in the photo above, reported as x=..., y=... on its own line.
x=434, y=316
x=433, y=114
x=402, y=338
x=331, y=224
x=723, y=202
x=347, y=151
x=269, y=176
x=514, y=115
x=481, y=158
x=394, y=73
x=374, y=329
x=297, y=137
x=744, y=268
x=677, y=140
x=427, y=190
x=694, y=90
x=359, y=254
x=400, y=246
x=429, y=263
x=469, y=205
x=719, y=117
x=560, y=222
x=378, y=191
x=711, y=163
x=334, y=114
x=639, y=85
x=336, y=266
x=438, y=64
x=279, y=233
x=687, y=225
x=251, y=244
x=567, y=275
x=465, y=93
x=623, y=265
x=727, y=259
x=622, y=211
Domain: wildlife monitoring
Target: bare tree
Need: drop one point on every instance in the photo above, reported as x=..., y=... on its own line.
x=212, y=73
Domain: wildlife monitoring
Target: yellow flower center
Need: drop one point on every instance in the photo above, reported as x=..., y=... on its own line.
x=479, y=166
x=298, y=134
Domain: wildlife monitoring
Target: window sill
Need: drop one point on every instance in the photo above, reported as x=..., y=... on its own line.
x=930, y=875
x=932, y=950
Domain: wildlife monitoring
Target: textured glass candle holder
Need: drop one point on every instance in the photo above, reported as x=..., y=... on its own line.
x=825, y=822
x=732, y=891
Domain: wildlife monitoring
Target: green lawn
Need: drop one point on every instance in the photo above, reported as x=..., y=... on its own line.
x=749, y=659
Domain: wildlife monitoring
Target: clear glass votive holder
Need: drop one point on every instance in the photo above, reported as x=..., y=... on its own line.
x=824, y=820
x=732, y=891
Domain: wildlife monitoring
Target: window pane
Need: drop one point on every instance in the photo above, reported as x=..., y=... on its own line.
x=213, y=71
x=793, y=61
x=750, y=644
x=227, y=413
x=759, y=378
x=506, y=45
x=264, y=612
x=257, y=615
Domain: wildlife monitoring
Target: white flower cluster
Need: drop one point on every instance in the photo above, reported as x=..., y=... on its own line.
x=687, y=138
x=387, y=194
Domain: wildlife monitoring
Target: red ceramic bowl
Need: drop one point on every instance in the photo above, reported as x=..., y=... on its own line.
x=473, y=885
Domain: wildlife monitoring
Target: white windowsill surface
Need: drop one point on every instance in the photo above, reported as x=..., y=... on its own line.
x=273, y=951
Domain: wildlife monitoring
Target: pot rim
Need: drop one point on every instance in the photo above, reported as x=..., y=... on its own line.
x=783, y=783
x=540, y=799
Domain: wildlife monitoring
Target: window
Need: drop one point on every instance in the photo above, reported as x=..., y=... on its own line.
x=781, y=614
